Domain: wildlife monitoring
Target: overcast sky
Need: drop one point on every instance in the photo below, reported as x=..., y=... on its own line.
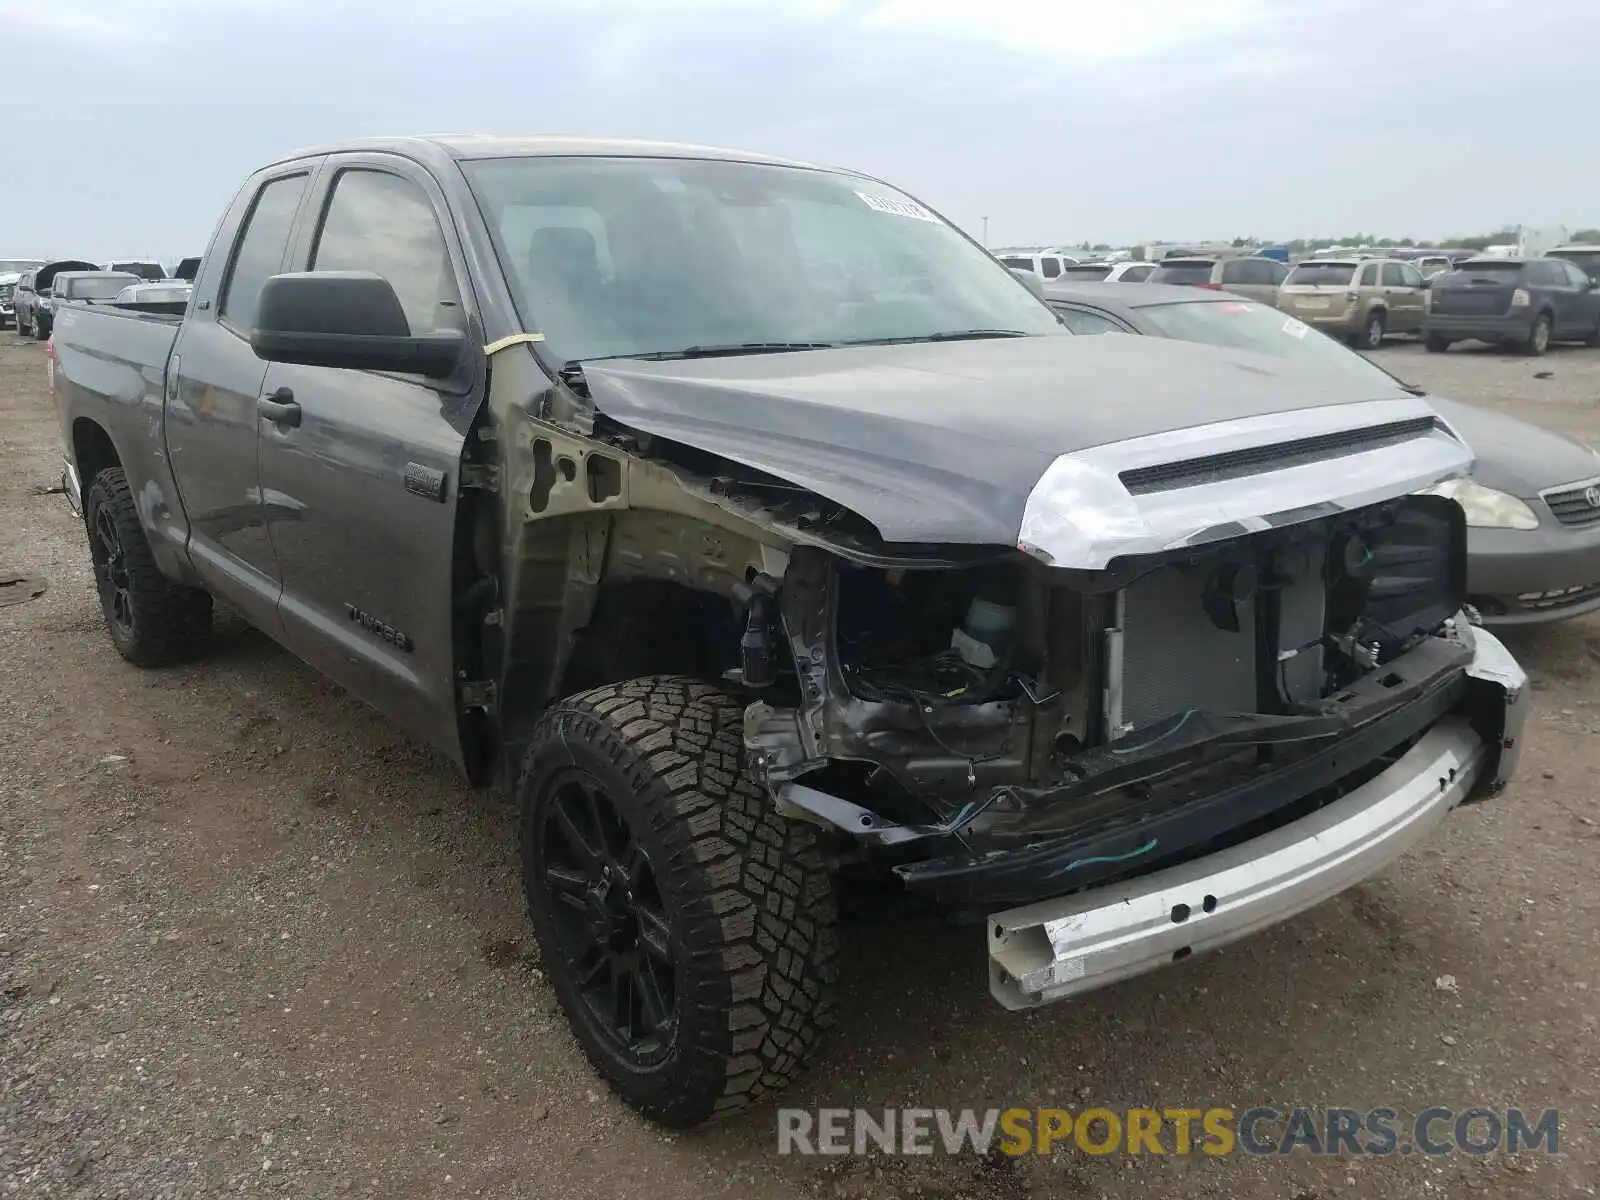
x=126, y=125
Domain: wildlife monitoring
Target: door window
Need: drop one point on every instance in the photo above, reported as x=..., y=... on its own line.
x=258, y=254
x=1409, y=276
x=1393, y=276
x=380, y=222
x=1369, y=276
x=1051, y=267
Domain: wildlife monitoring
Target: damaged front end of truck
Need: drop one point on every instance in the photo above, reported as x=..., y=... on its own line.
x=1218, y=673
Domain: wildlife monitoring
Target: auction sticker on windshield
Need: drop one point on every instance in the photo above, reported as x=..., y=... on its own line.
x=898, y=208
x=1296, y=328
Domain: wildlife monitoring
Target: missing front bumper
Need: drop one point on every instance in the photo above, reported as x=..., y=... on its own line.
x=1058, y=948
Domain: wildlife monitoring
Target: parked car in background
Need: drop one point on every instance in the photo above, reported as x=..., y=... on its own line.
x=144, y=268
x=1047, y=264
x=86, y=287
x=1433, y=264
x=1107, y=272
x=11, y=273
x=1532, y=501
x=33, y=300
x=1258, y=278
x=1585, y=256
x=1362, y=301
x=1519, y=302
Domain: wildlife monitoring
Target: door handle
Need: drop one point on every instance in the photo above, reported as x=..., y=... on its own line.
x=280, y=408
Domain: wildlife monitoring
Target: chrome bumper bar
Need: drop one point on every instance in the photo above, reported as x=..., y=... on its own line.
x=1058, y=948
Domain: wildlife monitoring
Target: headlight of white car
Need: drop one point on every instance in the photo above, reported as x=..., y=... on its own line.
x=1485, y=507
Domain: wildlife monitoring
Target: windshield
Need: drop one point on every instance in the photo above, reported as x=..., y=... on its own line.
x=612, y=257
x=1321, y=275
x=1245, y=325
x=105, y=288
x=1182, y=273
x=16, y=266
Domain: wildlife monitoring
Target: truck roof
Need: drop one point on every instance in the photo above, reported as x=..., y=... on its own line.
x=481, y=145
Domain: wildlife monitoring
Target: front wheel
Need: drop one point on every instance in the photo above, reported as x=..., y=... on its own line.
x=152, y=621
x=687, y=928
x=1538, y=340
x=1436, y=344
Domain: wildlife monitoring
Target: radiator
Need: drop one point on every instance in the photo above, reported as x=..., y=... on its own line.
x=1176, y=657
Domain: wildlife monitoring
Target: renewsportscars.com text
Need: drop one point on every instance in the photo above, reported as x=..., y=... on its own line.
x=1212, y=1131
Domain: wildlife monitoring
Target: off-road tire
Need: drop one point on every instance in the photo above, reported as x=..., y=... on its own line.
x=1436, y=344
x=169, y=623
x=1535, y=344
x=746, y=892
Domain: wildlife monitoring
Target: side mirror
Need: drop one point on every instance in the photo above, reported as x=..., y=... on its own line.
x=1029, y=280
x=349, y=319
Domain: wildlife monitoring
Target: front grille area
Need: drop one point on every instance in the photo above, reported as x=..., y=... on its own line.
x=1572, y=505
x=1235, y=464
x=5, y=291
x=1175, y=658
x=1559, y=598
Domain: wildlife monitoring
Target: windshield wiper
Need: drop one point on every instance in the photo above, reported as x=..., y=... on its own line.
x=728, y=350
x=954, y=335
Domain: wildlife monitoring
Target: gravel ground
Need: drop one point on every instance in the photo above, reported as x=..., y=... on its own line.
x=254, y=942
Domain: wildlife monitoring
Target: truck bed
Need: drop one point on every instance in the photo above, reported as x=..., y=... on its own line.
x=112, y=354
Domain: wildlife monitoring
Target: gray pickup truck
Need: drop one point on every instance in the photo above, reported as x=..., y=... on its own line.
x=773, y=542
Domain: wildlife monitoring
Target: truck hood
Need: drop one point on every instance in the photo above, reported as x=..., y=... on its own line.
x=1514, y=456
x=984, y=441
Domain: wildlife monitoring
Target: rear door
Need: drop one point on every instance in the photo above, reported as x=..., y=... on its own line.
x=1586, y=301
x=362, y=489
x=1568, y=299
x=1402, y=296
x=213, y=384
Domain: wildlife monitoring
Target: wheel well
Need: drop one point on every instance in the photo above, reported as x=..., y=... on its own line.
x=638, y=627
x=92, y=451
x=652, y=627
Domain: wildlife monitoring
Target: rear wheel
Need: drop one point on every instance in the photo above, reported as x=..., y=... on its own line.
x=688, y=930
x=1372, y=332
x=152, y=621
x=1538, y=340
x=1436, y=344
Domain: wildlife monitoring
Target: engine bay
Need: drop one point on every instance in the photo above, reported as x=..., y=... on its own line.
x=985, y=697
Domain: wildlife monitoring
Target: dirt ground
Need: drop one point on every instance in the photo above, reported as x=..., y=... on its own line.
x=254, y=942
